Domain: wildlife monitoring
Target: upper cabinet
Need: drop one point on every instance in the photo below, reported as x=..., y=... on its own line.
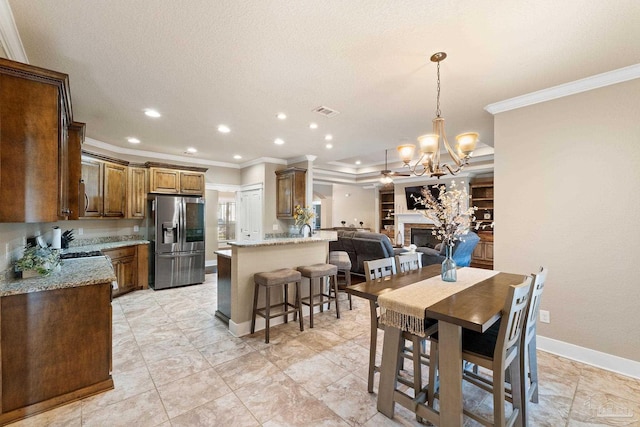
x=35, y=155
x=290, y=191
x=105, y=186
x=169, y=179
x=137, y=192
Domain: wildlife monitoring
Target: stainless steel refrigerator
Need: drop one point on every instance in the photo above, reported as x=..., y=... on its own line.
x=176, y=230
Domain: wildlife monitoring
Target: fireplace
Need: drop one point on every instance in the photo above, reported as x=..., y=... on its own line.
x=423, y=237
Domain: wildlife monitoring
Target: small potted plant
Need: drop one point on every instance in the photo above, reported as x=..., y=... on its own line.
x=37, y=261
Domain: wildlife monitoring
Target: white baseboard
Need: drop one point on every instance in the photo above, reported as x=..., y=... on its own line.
x=620, y=365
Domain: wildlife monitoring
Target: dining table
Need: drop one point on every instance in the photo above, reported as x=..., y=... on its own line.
x=474, y=303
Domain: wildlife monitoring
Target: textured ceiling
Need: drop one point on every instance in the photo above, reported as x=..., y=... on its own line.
x=203, y=63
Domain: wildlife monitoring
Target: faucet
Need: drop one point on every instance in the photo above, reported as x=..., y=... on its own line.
x=302, y=229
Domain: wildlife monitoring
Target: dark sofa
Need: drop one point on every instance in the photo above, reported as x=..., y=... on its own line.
x=363, y=246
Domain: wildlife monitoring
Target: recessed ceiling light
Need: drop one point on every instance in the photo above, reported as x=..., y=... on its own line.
x=133, y=140
x=329, y=146
x=278, y=141
x=191, y=150
x=313, y=126
x=358, y=162
x=328, y=137
x=281, y=116
x=224, y=129
x=237, y=157
x=152, y=113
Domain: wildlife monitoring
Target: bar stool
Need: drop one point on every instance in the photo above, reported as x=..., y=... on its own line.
x=283, y=278
x=315, y=273
x=341, y=260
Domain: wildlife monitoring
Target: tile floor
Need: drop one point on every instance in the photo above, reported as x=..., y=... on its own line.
x=174, y=364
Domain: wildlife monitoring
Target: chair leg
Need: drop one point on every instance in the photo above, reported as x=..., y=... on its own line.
x=372, y=345
x=519, y=404
x=255, y=307
x=321, y=286
x=498, y=394
x=334, y=278
x=267, y=312
x=311, y=281
x=533, y=369
x=285, y=306
x=299, y=306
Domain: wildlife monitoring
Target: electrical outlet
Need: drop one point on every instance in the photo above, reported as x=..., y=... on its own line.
x=136, y=228
x=544, y=316
x=80, y=231
x=7, y=252
x=275, y=227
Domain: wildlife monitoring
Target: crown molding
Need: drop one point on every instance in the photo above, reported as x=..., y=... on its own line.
x=9, y=36
x=589, y=83
x=154, y=155
x=262, y=160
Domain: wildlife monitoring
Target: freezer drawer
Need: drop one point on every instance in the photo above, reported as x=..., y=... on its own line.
x=178, y=269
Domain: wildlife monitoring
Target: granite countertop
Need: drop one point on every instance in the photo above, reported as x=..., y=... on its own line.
x=73, y=273
x=104, y=246
x=321, y=236
x=223, y=252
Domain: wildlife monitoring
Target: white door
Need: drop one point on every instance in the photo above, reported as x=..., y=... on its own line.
x=250, y=215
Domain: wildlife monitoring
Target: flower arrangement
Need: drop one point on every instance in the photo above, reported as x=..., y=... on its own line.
x=450, y=212
x=41, y=260
x=302, y=215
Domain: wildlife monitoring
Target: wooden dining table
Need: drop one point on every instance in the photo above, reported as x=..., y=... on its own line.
x=476, y=308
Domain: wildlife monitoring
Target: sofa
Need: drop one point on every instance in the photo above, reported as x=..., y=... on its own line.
x=363, y=246
x=462, y=251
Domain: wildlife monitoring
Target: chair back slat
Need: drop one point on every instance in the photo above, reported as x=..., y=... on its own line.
x=534, y=305
x=513, y=315
x=378, y=268
x=408, y=261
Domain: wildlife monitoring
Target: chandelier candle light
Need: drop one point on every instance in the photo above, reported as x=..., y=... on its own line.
x=430, y=143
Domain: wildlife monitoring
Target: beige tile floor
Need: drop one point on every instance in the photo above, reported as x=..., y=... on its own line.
x=174, y=364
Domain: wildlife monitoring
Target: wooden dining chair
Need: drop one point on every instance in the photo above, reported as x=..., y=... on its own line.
x=408, y=261
x=498, y=349
x=376, y=269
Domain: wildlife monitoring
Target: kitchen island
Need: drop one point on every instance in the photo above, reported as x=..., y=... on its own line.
x=55, y=337
x=248, y=258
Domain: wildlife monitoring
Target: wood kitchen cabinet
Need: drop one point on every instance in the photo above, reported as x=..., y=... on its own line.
x=105, y=184
x=125, y=265
x=76, y=185
x=137, y=192
x=290, y=191
x=56, y=348
x=169, y=179
x=35, y=111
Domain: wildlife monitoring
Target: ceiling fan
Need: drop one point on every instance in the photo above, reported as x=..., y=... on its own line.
x=388, y=174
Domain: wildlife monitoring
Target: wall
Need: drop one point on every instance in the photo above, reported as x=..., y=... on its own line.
x=211, y=225
x=360, y=205
x=566, y=196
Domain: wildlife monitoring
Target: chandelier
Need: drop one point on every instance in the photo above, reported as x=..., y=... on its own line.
x=429, y=160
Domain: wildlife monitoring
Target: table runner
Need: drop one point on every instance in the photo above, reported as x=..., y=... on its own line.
x=404, y=308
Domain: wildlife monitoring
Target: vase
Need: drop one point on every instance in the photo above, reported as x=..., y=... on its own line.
x=449, y=272
x=306, y=230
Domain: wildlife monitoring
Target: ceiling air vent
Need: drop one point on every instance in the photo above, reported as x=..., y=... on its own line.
x=325, y=111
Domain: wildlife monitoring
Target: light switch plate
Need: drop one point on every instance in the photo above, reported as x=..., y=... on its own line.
x=545, y=316
x=136, y=228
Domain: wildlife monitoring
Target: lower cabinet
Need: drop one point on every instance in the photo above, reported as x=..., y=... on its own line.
x=130, y=265
x=482, y=256
x=56, y=348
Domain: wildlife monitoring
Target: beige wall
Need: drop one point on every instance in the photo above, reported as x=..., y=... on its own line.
x=211, y=221
x=567, y=173
x=360, y=205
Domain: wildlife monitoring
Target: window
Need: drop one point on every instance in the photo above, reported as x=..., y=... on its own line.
x=226, y=221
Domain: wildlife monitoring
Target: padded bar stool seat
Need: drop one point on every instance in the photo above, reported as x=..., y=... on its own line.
x=341, y=260
x=282, y=277
x=315, y=273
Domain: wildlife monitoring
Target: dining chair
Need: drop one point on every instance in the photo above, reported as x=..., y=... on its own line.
x=376, y=269
x=529, y=361
x=408, y=261
x=499, y=350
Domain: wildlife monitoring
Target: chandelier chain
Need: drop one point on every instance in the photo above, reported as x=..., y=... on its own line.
x=438, y=112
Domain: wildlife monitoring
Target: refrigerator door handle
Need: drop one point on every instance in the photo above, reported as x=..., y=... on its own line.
x=180, y=254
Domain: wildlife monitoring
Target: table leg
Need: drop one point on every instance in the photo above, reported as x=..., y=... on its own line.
x=450, y=370
x=389, y=370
